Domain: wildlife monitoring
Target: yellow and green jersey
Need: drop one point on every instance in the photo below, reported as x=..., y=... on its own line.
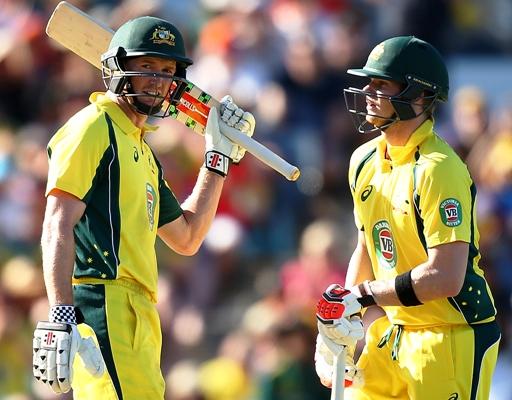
x=421, y=197
x=101, y=157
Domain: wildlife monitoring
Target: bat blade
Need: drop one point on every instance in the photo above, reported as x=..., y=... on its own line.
x=78, y=32
x=89, y=39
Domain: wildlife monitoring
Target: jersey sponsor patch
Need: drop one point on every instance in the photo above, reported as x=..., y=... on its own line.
x=451, y=212
x=384, y=244
x=150, y=204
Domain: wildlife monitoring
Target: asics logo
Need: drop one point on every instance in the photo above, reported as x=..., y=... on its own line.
x=366, y=192
x=453, y=396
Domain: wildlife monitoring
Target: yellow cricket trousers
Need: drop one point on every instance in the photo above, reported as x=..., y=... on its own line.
x=127, y=328
x=436, y=363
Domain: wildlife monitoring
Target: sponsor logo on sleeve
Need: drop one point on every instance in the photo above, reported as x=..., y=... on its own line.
x=451, y=212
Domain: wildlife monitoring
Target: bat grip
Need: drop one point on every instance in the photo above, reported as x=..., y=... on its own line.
x=338, y=379
x=263, y=154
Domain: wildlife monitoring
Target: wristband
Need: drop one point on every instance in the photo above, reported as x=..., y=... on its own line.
x=366, y=299
x=216, y=162
x=405, y=291
x=65, y=314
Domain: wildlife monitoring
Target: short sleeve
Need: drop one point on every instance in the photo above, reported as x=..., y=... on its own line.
x=76, y=153
x=446, y=203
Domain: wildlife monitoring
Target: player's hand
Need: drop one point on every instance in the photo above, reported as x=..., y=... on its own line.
x=324, y=363
x=337, y=302
x=343, y=331
x=219, y=150
x=55, y=346
x=234, y=118
x=336, y=316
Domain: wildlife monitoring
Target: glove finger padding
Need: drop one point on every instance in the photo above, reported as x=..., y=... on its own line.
x=324, y=364
x=55, y=346
x=91, y=357
x=343, y=331
x=234, y=118
x=353, y=375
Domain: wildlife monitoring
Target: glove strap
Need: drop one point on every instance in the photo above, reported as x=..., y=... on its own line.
x=217, y=162
x=65, y=314
x=366, y=298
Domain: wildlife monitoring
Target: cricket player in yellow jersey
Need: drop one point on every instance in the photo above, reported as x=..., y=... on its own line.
x=417, y=254
x=107, y=200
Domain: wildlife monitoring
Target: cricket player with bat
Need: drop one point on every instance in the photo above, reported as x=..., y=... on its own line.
x=107, y=200
x=417, y=254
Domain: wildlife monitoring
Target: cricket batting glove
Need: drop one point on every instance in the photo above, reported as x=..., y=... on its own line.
x=324, y=363
x=336, y=315
x=233, y=117
x=219, y=150
x=55, y=345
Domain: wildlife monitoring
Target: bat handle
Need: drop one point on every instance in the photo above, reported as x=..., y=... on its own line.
x=263, y=154
x=338, y=379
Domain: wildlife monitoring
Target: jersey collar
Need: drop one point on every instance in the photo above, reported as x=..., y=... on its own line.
x=402, y=154
x=105, y=104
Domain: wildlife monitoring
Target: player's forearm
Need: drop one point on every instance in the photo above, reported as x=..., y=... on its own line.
x=359, y=266
x=201, y=206
x=441, y=276
x=58, y=253
x=425, y=284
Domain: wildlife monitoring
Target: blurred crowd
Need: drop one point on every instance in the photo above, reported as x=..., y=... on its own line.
x=238, y=318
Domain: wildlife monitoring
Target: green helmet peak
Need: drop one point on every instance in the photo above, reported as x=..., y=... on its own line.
x=408, y=60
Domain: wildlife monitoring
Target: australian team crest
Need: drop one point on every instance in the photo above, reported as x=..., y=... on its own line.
x=163, y=35
x=384, y=244
x=451, y=212
x=377, y=52
x=150, y=205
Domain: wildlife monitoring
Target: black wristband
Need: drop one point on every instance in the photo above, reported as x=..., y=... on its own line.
x=366, y=299
x=405, y=291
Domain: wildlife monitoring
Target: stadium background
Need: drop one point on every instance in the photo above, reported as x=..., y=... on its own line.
x=238, y=317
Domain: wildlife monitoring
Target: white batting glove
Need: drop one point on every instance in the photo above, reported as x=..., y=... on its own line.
x=343, y=331
x=55, y=346
x=336, y=315
x=219, y=150
x=235, y=118
x=324, y=363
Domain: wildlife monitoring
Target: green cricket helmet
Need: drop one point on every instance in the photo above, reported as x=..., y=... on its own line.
x=410, y=61
x=151, y=37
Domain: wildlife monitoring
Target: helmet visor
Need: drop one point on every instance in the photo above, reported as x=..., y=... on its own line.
x=365, y=121
x=160, y=93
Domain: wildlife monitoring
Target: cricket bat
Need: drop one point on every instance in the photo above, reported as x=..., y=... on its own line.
x=338, y=379
x=89, y=39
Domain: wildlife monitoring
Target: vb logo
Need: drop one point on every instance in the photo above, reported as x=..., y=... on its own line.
x=453, y=396
x=384, y=244
x=451, y=212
